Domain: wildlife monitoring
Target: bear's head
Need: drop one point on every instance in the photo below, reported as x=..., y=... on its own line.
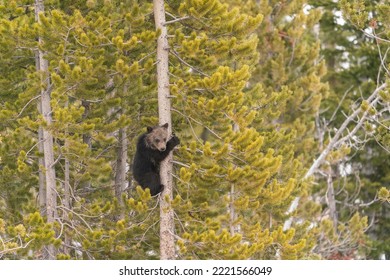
x=156, y=137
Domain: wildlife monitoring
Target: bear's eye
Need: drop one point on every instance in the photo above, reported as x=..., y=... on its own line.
x=157, y=140
x=165, y=139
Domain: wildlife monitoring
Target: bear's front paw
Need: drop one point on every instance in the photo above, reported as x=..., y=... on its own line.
x=174, y=140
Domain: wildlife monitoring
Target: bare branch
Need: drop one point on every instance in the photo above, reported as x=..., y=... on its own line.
x=374, y=36
x=339, y=132
x=339, y=105
x=332, y=144
x=357, y=127
x=176, y=20
x=25, y=106
x=16, y=248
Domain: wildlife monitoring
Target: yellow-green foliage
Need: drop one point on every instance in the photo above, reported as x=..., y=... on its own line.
x=246, y=87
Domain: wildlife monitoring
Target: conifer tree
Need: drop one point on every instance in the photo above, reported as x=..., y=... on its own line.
x=290, y=60
x=246, y=84
x=357, y=75
x=21, y=230
x=229, y=198
x=91, y=68
x=227, y=177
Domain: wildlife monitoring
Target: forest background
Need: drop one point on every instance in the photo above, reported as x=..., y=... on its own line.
x=282, y=109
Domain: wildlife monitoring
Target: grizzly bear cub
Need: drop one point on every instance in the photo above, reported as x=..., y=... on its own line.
x=152, y=148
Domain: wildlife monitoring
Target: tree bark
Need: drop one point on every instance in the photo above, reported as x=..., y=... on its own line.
x=50, y=175
x=121, y=162
x=41, y=164
x=167, y=242
x=331, y=199
x=67, y=198
x=87, y=139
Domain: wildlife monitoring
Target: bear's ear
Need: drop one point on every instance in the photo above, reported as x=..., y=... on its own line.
x=165, y=125
x=150, y=129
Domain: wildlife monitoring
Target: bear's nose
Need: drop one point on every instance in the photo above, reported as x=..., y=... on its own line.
x=162, y=149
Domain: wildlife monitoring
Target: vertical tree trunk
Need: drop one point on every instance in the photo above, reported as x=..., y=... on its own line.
x=67, y=191
x=41, y=162
x=331, y=199
x=167, y=242
x=87, y=139
x=121, y=162
x=50, y=176
x=67, y=197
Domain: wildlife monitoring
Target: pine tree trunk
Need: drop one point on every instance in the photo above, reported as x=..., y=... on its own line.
x=67, y=199
x=87, y=139
x=41, y=162
x=67, y=191
x=331, y=199
x=167, y=242
x=50, y=176
x=121, y=164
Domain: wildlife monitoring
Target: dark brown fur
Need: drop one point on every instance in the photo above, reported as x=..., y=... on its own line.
x=152, y=148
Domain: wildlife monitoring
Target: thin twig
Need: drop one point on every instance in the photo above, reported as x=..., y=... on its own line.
x=339, y=105
x=187, y=64
x=25, y=106
x=176, y=20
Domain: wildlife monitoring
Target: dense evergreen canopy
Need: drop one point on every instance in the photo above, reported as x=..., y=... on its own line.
x=282, y=109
